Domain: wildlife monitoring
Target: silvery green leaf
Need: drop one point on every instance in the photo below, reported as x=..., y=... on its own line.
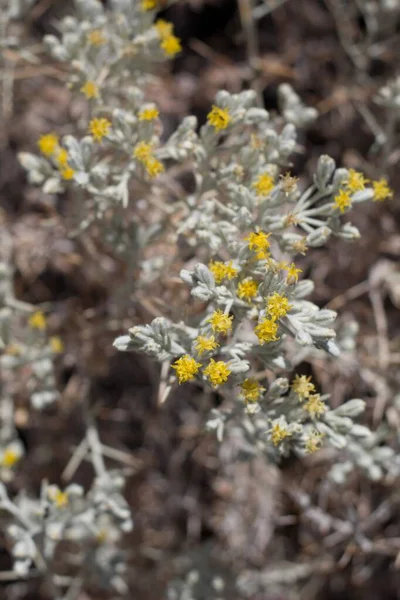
x=349, y=232
x=123, y=343
x=239, y=366
x=89, y=8
x=53, y=186
x=341, y=176
x=325, y=169
x=360, y=430
x=75, y=158
x=339, y=472
x=319, y=237
x=304, y=288
x=351, y=408
x=255, y=116
x=279, y=387
x=204, y=275
x=303, y=338
x=30, y=162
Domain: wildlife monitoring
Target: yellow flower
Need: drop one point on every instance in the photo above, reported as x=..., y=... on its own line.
x=220, y=322
x=90, y=90
x=96, y=37
x=217, y=372
x=164, y=28
x=278, y=305
x=148, y=114
x=342, y=200
x=62, y=158
x=315, y=406
x=258, y=242
x=186, y=368
x=263, y=184
x=289, y=183
x=56, y=344
x=153, y=167
x=219, y=118
x=48, y=144
x=142, y=151
x=247, y=289
x=278, y=433
x=67, y=173
x=37, y=320
x=313, y=442
x=381, y=190
x=266, y=331
x=148, y=4
x=302, y=386
x=99, y=128
x=300, y=246
x=222, y=270
x=356, y=181
x=251, y=390
x=205, y=344
x=10, y=456
x=59, y=498
x=171, y=45
x=292, y=274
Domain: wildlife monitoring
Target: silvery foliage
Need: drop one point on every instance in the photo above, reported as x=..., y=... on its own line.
x=105, y=174
x=91, y=523
x=23, y=347
x=222, y=210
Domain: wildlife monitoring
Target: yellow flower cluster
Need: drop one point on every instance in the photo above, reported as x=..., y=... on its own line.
x=247, y=289
x=147, y=5
x=170, y=44
x=289, y=183
x=266, y=331
x=220, y=322
x=263, y=184
x=315, y=406
x=186, y=368
x=222, y=270
x=205, y=344
x=99, y=128
x=96, y=38
x=302, y=386
x=90, y=90
x=56, y=345
x=148, y=114
x=49, y=146
x=251, y=390
x=356, y=181
x=381, y=190
x=37, y=320
x=219, y=118
x=9, y=457
x=278, y=433
x=258, y=242
x=143, y=152
x=217, y=372
x=278, y=305
x=59, y=498
x=292, y=274
x=313, y=442
x=342, y=200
